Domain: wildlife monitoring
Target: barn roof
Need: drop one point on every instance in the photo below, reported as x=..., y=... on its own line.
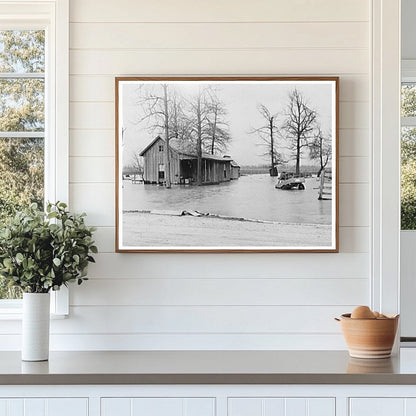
x=186, y=150
x=150, y=145
x=214, y=157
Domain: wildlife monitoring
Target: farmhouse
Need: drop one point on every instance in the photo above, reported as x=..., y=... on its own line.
x=183, y=164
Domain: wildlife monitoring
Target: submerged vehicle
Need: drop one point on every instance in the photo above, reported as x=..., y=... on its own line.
x=289, y=180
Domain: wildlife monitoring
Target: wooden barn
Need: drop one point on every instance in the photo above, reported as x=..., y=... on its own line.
x=183, y=165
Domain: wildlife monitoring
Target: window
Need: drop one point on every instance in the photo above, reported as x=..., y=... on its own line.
x=22, y=124
x=408, y=156
x=33, y=112
x=161, y=148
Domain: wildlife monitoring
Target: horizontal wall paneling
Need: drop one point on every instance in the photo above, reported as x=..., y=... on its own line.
x=221, y=291
x=185, y=11
x=300, y=61
x=221, y=35
x=235, y=265
x=230, y=301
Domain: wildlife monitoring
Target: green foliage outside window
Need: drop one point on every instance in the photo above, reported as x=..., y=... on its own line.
x=408, y=104
x=408, y=160
x=21, y=110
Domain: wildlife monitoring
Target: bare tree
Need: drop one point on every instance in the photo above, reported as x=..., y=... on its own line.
x=167, y=137
x=199, y=123
x=161, y=108
x=136, y=162
x=268, y=134
x=135, y=167
x=180, y=124
x=218, y=128
x=321, y=149
x=299, y=125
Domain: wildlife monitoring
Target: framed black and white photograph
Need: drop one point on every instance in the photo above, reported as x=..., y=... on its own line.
x=230, y=164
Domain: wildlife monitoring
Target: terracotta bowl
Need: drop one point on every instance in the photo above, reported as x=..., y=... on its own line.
x=369, y=338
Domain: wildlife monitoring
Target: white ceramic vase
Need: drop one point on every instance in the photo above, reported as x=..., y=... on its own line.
x=35, y=326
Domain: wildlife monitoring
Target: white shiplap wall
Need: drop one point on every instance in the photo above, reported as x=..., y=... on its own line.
x=218, y=301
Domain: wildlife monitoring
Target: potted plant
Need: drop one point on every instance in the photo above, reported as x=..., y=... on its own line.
x=40, y=252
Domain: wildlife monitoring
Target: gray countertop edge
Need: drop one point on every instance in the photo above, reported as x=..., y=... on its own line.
x=159, y=379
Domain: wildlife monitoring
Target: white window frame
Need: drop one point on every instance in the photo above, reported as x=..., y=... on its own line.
x=407, y=236
x=385, y=150
x=53, y=17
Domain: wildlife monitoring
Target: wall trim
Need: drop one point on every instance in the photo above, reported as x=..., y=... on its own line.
x=385, y=99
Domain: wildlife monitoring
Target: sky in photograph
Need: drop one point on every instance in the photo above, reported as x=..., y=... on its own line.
x=241, y=100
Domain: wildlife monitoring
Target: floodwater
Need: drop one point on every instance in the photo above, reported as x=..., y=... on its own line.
x=251, y=196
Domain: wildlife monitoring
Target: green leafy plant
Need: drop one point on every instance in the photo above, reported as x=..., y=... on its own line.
x=43, y=251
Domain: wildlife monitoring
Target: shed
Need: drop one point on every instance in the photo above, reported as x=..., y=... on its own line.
x=235, y=170
x=183, y=164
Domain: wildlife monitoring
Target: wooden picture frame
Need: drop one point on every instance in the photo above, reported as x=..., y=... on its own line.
x=227, y=164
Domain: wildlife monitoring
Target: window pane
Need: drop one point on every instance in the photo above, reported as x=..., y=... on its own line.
x=21, y=182
x=22, y=105
x=408, y=178
x=408, y=100
x=21, y=173
x=22, y=51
